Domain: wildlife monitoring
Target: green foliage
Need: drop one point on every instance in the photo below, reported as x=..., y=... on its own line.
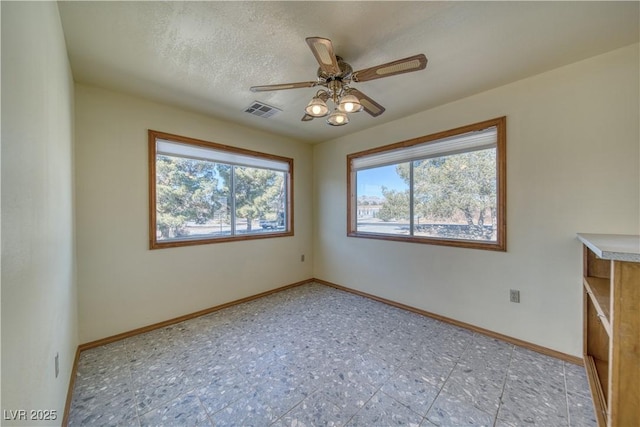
x=457, y=184
x=186, y=191
x=259, y=193
x=395, y=206
x=196, y=191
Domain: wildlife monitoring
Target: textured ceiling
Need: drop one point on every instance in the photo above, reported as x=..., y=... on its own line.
x=204, y=56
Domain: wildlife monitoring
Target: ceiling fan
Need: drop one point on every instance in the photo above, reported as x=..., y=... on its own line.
x=336, y=76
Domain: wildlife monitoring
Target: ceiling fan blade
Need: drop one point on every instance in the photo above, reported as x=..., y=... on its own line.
x=282, y=86
x=369, y=105
x=323, y=51
x=307, y=118
x=406, y=65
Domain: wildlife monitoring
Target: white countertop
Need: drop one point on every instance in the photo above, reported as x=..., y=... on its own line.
x=618, y=247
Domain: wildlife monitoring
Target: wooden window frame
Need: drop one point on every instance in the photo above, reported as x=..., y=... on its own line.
x=154, y=243
x=501, y=190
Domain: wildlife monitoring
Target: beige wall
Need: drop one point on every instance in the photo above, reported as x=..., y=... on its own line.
x=39, y=314
x=573, y=166
x=122, y=284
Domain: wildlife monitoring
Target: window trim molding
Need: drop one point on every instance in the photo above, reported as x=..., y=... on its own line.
x=501, y=188
x=153, y=241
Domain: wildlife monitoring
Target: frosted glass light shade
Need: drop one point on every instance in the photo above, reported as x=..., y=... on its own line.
x=317, y=108
x=338, y=118
x=349, y=104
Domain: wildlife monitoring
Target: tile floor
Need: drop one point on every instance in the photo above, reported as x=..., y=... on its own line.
x=317, y=356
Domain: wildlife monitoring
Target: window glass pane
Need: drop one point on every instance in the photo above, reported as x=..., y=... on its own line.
x=259, y=200
x=455, y=196
x=202, y=192
x=383, y=200
x=447, y=188
x=191, y=199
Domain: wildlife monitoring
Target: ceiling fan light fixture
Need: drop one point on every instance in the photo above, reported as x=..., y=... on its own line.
x=335, y=76
x=317, y=107
x=349, y=104
x=338, y=118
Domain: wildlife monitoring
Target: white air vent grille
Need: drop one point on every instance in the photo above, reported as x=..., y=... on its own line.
x=262, y=110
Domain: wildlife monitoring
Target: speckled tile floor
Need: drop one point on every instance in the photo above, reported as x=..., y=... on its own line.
x=317, y=356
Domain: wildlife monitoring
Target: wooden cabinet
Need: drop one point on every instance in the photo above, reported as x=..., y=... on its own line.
x=611, y=273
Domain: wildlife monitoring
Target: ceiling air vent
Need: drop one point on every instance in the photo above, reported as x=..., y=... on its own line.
x=262, y=110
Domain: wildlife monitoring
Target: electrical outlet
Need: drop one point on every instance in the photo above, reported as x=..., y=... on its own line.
x=57, y=362
x=514, y=295
x=302, y=258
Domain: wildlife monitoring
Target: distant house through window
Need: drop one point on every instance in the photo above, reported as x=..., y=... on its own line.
x=202, y=192
x=447, y=189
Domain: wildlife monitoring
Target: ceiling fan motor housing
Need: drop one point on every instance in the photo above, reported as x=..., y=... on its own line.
x=345, y=72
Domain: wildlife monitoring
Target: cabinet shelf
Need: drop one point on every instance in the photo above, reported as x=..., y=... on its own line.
x=598, y=290
x=611, y=279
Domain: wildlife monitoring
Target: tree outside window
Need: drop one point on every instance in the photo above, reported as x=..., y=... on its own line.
x=204, y=193
x=447, y=188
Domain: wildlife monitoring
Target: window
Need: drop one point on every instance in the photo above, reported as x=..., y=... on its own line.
x=201, y=192
x=446, y=189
